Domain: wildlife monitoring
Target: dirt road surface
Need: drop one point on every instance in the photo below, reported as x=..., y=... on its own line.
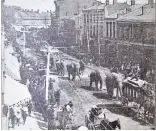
x=84, y=98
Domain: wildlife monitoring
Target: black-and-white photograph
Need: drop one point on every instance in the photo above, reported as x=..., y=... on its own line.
x=78, y=64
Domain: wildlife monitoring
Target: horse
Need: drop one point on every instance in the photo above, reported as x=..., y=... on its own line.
x=106, y=125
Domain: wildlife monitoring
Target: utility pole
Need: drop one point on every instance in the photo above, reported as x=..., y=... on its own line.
x=78, y=31
x=98, y=32
x=155, y=68
x=24, y=41
x=45, y=21
x=47, y=74
x=88, y=40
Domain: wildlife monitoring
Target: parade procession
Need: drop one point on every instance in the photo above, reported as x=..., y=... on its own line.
x=79, y=65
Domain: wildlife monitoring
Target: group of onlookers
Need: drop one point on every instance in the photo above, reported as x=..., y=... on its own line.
x=18, y=113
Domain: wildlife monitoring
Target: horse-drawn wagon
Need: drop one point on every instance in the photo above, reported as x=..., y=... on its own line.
x=96, y=120
x=141, y=94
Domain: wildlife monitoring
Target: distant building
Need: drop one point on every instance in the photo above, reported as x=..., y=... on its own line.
x=25, y=17
x=69, y=8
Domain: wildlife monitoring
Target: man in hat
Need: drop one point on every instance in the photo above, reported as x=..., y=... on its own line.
x=29, y=108
x=50, y=115
x=18, y=116
x=24, y=114
x=57, y=97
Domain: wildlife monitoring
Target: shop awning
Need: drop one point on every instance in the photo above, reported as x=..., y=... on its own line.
x=14, y=91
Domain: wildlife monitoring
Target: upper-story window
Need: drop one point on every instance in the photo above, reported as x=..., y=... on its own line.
x=110, y=29
x=90, y=17
x=101, y=31
x=101, y=17
x=94, y=18
x=107, y=28
x=84, y=18
x=114, y=29
x=87, y=18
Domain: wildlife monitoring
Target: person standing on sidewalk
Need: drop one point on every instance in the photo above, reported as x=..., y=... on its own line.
x=50, y=115
x=57, y=97
x=24, y=115
x=18, y=116
x=12, y=116
x=29, y=108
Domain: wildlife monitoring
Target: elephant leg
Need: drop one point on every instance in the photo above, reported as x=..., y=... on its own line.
x=101, y=83
x=69, y=75
x=117, y=93
x=91, y=83
x=74, y=75
x=96, y=84
x=79, y=76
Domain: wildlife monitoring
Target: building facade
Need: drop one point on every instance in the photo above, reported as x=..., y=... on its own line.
x=136, y=35
x=25, y=17
x=100, y=25
x=76, y=6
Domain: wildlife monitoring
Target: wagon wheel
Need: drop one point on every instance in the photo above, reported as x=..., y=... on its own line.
x=91, y=126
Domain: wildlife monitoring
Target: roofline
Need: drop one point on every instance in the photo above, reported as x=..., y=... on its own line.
x=134, y=21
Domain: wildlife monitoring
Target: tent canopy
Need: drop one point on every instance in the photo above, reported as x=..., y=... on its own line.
x=14, y=91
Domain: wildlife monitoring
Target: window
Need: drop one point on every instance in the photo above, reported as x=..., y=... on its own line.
x=94, y=18
x=114, y=29
x=110, y=29
x=101, y=17
x=90, y=17
x=87, y=18
x=90, y=30
x=101, y=31
x=107, y=28
x=94, y=30
x=84, y=18
x=84, y=29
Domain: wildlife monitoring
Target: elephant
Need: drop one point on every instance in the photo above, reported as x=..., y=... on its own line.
x=72, y=70
x=112, y=82
x=96, y=77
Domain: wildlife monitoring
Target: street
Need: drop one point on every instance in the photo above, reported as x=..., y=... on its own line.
x=83, y=99
x=78, y=64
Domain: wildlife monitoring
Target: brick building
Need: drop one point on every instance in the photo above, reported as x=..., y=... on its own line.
x=99, y=23
x=76, y=6
x=135, y=35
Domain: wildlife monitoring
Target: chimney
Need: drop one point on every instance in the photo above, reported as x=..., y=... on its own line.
x=132, y=2
x=150, y=2
x=114, y=1
x=107, y=2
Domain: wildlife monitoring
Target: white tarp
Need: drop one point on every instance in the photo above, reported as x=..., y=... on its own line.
x=14, y=91
x=11, y=62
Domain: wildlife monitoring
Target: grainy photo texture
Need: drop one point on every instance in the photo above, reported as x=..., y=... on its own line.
x=78, y=64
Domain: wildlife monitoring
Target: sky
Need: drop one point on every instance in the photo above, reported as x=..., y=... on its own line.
x=44, y=5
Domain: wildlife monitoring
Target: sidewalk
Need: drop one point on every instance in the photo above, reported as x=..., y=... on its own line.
x=4, y=123
x=31, y=124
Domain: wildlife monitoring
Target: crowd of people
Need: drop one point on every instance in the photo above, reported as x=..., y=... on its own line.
x=18, y=113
